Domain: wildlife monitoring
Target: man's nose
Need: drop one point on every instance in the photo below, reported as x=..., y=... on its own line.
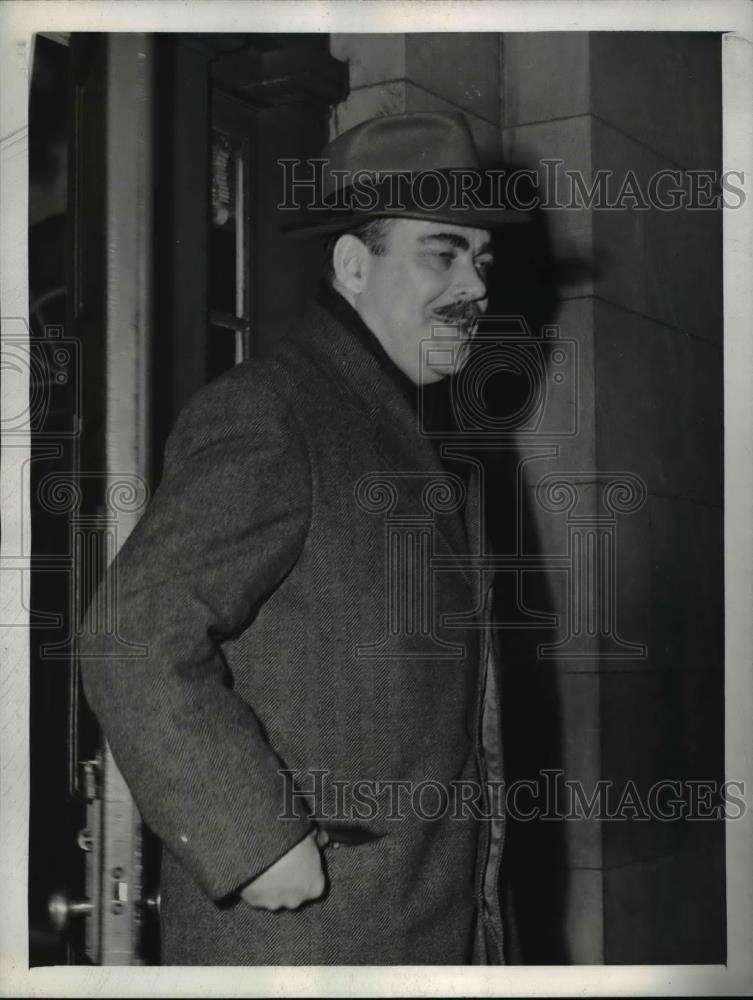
x=468, y=282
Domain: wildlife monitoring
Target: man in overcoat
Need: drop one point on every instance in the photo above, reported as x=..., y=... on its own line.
x=313, y=732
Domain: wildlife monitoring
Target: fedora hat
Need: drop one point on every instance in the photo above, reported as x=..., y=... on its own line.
x=416, y=165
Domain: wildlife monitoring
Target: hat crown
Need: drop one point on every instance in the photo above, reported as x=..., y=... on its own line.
x=404, y=143
x=378, y=169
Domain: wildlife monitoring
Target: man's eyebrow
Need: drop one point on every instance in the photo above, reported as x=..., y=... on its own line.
x=455, y=240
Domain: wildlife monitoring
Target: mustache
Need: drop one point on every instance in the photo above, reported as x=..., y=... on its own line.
x=459, y=312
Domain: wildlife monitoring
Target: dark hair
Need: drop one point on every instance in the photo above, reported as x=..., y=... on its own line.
x=372, y=233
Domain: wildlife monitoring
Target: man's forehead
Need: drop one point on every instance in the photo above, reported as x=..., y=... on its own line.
x=423, y=231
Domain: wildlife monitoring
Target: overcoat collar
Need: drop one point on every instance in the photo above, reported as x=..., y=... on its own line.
x=369, y=389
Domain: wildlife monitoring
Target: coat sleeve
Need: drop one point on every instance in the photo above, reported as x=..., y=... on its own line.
x=225, y=526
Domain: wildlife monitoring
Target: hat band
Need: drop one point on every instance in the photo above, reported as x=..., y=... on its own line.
x=460, y=196
x=441, y=191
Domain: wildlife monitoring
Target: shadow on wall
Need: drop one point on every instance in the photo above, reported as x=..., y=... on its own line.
x=526, y=283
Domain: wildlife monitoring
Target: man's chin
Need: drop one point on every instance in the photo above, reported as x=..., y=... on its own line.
x=431, y=375
x=447, y=349
x=444, y=369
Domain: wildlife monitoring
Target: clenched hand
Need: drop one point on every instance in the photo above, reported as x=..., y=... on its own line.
x=296, y=878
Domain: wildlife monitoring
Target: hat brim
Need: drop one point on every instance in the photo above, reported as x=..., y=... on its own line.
x=324, y=223
x=481, y=208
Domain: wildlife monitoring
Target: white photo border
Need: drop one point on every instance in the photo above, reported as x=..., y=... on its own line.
x=19, y=20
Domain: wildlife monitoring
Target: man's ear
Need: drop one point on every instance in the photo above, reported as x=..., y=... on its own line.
x=350, y=262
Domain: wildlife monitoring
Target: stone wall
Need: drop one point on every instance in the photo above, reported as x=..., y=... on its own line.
x=647, y=315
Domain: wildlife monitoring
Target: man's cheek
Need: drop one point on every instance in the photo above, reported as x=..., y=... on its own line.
x=432, y=288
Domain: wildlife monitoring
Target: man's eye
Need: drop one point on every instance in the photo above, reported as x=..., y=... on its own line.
x=484, y=266
x=445, y=256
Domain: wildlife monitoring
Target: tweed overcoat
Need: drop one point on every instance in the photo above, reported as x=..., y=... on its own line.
x=313, y=646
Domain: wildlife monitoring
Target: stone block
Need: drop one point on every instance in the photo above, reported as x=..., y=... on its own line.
x=545, y=76
x=665, y=264
x=686, y=544
x=667, y=910
x=461, y=68
x=640, y=746
x=683, y=271
x=658, y=405
x=664, y=89
x=371, y=58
